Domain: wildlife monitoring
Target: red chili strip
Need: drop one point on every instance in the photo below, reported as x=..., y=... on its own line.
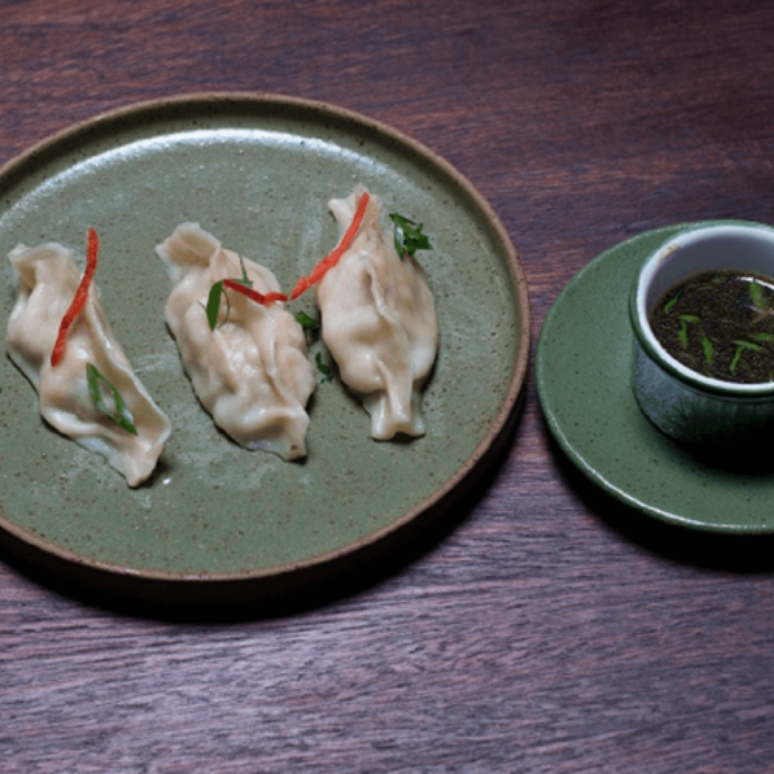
x=79, y=299
x=254, y=295
x=327, y=263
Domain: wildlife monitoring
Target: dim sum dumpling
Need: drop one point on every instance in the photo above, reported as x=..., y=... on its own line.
x=251, y=373
x=379, y=322
x=48, y=279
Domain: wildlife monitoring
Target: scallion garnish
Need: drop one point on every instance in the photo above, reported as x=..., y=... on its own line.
x=741, y=346
x=708, y=349
x=120, y=414
x=323, y=368
x=213, y=304
x=306, y=321
x=246, y=281
x=685, y=319
x=756, y=294
x=243, y=286
x=671, y=303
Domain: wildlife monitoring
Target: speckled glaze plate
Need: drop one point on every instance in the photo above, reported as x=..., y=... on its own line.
x=583, y=367
x=257, y=171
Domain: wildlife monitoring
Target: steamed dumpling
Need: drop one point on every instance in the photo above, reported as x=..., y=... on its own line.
x=48, y=279
x=251, y=373
x=378, y=321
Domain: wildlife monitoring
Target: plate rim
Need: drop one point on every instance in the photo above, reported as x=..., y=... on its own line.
x=578, y=460
x=497, y=429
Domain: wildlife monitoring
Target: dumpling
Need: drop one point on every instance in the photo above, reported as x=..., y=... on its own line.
x=48, y=282
x=379, y=322
x=251, y=372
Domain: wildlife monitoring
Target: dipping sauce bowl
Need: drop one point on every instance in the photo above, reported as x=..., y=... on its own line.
x=710, y=414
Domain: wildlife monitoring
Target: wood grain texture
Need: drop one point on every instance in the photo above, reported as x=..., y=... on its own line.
x=547, y=628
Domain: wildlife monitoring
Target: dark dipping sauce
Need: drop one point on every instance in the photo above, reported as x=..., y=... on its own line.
x=720, y=324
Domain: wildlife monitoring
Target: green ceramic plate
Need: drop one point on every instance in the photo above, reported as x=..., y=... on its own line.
x=584, y=379
x=257, y=171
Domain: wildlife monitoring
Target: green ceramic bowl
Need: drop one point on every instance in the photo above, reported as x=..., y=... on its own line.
x=256, y=171
x=688, y=406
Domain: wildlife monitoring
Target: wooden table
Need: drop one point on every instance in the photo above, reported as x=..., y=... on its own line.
x=544, y=628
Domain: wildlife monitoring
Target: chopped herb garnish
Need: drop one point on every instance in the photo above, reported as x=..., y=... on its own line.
x=708, y=348
x=213, y=304
x=719, y=323
x=670, y=304
x=306, y=321
x=246, y=281
x=244, y=286
x=216, y=291
x=323, y=368
x=408, y=236
x=756, y=294
x=682, y=334
x=120, y=414
x=741, y=346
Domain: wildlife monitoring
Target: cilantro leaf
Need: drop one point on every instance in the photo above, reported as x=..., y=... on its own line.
x=408, y=236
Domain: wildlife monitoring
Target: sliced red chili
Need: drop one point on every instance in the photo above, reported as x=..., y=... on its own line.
x=79, y=299
x=330, y=260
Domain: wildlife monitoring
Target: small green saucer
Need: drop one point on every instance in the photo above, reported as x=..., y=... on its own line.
x=584, y=380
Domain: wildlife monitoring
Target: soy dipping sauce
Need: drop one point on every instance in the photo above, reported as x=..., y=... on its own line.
x=720, y=324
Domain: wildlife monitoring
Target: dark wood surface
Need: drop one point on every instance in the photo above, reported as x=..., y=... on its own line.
x=543, y=628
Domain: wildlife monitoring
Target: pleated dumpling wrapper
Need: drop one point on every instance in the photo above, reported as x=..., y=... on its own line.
x=379, y=321
x=48, y=282
x=250, y=372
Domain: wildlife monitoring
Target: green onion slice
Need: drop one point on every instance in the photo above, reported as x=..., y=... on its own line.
x=323, y=368
x=217, y=290
x=213, y=304
x=121, y=414
x=306, y=321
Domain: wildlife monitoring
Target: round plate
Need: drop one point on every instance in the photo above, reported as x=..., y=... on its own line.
x=257, y=171
x=584, y=378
